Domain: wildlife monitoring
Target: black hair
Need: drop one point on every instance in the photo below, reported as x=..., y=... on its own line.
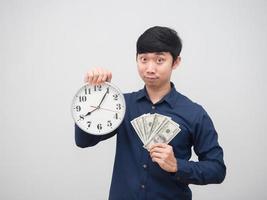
x=159, y=39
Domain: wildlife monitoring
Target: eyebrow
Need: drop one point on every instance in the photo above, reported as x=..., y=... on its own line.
x=157, y=53
x=160, y=53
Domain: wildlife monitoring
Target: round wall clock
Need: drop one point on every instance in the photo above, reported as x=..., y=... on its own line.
x=98, y=109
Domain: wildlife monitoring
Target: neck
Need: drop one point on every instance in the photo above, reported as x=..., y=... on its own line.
x=157, y=93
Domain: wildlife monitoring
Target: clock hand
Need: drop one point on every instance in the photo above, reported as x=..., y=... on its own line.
x=103, y=108
x=89, y=113
x=102, y=98
x=97, y=107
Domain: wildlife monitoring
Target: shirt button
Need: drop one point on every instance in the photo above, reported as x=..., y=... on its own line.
x=144, y=166
x=143, y=186
x=153, y=107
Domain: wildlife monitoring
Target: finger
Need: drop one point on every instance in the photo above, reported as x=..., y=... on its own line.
x=95, y=76
x=104, y=78
x=101, y=73
x=88, y=77
x=158, y=160
x=106, y=75
x=157, y=155
x=163, y=156
x=158, y=146
x=157, y=150
x=161, y=160
x=109, y=76
x=162, y=145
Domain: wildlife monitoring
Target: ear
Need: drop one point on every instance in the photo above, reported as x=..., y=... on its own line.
x=176, y=62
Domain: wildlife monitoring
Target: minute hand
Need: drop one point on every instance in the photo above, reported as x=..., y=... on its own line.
x=102, y=99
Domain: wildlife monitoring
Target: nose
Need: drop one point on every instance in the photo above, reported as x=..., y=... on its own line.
x=150, y=68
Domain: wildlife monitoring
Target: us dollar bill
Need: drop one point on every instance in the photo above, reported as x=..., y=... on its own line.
x=140, y=124
x=148, y=123
x=135, y=126
x=158, y=122
x=164, y=134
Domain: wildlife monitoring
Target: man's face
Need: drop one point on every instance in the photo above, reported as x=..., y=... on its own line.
x=155, y=68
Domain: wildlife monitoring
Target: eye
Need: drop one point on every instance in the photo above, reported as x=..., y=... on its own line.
x=143, y=59
x=160, y=60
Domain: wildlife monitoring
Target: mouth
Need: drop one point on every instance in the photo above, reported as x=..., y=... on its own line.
x=151, y=78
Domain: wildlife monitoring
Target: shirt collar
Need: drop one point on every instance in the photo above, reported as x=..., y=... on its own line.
x=169, y=98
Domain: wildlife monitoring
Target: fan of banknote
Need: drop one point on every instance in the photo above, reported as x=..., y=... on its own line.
x=155, y=128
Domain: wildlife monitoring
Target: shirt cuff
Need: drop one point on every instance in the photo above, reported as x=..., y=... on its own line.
x=183, y=171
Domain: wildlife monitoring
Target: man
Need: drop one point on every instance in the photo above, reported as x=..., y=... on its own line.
x=164, y=171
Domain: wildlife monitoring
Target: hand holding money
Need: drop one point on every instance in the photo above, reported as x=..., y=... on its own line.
x=163, y=154
x=156, y=131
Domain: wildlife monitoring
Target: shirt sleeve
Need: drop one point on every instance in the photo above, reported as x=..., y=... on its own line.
x=210, y=167
x=84, y=139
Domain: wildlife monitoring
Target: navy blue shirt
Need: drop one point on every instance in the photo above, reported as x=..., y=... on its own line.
x=136, y=177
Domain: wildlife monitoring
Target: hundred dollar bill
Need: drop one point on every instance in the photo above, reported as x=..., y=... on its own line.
x=139, y=127
x=159, y=121
x=165, y=134
x=136, y=128
x=140, y=124
x=148, y=122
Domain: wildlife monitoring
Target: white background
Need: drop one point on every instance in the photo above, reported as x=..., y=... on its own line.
x=47, y=46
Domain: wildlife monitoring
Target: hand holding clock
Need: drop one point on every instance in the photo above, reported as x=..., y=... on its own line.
x=94, y=77
x=110, y=106
x=97, y=76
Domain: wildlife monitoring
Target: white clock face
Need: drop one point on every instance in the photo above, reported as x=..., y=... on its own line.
x=98, y=109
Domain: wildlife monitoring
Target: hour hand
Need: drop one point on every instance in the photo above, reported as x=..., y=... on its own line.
x=89, y=113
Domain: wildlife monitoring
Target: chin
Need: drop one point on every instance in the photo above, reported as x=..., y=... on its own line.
x=151, y=83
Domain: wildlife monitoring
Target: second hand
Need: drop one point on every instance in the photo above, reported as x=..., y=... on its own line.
x=104, y=109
